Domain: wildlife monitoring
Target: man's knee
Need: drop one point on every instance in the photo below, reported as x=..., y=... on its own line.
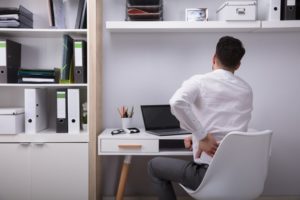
x=153, y=165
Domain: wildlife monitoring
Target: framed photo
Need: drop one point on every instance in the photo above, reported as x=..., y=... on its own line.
x=196, y=14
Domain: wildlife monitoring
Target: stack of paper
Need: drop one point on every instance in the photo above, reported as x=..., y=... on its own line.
x=15, y=17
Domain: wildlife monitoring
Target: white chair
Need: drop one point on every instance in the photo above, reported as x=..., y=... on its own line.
x=239, y=168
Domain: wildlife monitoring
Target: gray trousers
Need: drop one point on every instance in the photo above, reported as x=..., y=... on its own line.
x=163, y=171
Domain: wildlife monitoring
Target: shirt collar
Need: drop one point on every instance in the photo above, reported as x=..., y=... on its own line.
x=224, y=72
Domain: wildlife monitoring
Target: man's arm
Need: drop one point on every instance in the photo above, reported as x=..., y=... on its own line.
x=181, y=103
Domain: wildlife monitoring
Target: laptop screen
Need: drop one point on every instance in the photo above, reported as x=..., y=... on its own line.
x=158, y=117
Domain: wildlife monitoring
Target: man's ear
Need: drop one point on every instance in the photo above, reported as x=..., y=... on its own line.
x=238, y=66
x=214, y=59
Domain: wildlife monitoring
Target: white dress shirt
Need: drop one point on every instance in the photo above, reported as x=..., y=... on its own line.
x=217, y=102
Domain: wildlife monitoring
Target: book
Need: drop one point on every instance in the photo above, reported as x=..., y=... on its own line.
x=10, y=24
x=66, y=72
x=19, y=18
x=38, y=76
x=51, y=13
x=83, y=20
x=36, y=80
x=12, y=17
x=21, y=11
x=37, y=73
x=81, y=14
x=57, y=13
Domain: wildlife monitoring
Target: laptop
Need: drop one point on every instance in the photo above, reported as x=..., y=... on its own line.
x=159, y=120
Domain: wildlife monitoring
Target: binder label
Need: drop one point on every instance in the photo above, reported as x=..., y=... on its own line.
x=291, y=2
x=2, y=53
x=61, y=105
x=78, y=54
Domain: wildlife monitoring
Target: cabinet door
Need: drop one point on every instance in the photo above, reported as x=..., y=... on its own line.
x=14, y=171
x=59, y=171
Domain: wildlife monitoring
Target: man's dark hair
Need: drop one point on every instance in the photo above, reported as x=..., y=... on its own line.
x=230, y=51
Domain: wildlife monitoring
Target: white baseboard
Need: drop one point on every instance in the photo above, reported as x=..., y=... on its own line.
x=189, y=198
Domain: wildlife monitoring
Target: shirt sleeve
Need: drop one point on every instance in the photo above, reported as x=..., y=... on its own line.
x=181, y=107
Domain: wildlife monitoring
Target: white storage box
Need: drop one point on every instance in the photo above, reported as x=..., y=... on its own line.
x=237, y=11
x=11, y=120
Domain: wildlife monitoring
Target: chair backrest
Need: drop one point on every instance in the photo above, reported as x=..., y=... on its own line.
x=239, y=168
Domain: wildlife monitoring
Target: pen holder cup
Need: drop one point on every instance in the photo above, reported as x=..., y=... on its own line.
x=126, y=122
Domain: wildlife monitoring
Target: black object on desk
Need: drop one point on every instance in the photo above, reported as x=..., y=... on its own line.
x=118, y=131
x=133, y=130
x=122, y=131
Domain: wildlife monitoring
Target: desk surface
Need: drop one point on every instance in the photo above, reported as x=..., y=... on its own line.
x=141, y=144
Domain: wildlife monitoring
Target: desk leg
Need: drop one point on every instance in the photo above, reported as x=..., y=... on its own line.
x=123, y=177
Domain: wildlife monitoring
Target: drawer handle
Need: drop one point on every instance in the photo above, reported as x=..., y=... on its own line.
x=130, y=146
x=241, y=11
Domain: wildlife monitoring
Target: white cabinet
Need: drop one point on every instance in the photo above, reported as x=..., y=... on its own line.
x=14, y=171
x=59, y=171
x=44, y=171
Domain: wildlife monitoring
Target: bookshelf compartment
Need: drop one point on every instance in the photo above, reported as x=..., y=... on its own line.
x=41, y=12
x=15, y=98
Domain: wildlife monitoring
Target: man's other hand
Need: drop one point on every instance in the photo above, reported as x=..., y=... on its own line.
x=209, y=145
x=188, y=143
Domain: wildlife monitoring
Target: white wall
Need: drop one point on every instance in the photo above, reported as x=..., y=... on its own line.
x=146, y=68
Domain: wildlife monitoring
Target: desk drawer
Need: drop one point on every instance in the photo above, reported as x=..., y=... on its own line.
x=129, y=146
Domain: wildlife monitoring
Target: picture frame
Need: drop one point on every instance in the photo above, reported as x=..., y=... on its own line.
x=196, y=14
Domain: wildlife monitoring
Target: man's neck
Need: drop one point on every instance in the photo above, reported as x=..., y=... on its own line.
x=216, y=67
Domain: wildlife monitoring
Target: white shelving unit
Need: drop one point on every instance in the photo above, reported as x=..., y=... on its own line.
x=207, y=26
x=182, y=26
x=42, y=48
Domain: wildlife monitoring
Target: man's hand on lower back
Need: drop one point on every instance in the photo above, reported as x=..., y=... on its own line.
x=208, y=145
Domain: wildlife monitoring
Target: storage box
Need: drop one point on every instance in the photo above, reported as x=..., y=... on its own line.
x=144, y=10
x=237, y=11
x=11, y=120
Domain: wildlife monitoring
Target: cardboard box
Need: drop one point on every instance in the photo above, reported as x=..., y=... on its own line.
x=11, y=120
x=237, y=11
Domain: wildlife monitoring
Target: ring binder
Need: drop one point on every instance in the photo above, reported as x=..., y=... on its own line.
x=10, y=61
x=62, y=111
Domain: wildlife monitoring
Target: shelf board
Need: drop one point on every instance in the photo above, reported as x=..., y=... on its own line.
x=182, y=26
x=41, y=33
x=161, y=153
x=44, y=136
x=42, y=85
x=286, y=26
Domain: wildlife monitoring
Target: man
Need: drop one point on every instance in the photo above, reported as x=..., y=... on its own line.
x=209, y=106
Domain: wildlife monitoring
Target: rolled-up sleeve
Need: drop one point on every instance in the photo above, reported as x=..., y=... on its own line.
x=181, y=107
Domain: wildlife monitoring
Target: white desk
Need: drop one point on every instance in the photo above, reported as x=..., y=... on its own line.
x=137, y=144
